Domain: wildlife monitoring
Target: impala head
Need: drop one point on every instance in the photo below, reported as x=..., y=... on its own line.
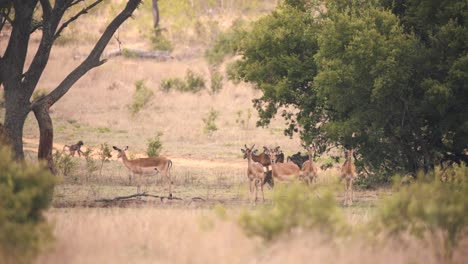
x=310, y=148
x=120, y=152
x=272, y=153
x=349, y=154
x=248, y=151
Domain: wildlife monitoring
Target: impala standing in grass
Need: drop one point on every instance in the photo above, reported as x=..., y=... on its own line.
x=141, y=165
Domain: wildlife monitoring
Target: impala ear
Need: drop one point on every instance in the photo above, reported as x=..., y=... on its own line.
x=116, y=148
x=243, y=150
x=126, y=147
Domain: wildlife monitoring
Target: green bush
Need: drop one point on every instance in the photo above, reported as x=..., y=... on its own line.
x=64, y=163
x=141, y=96
x=159, y=41
x=193, y=83
x=210, y=121
x=104, y=155
x=295, y=206
x=154, y=145
x=25, y=192
x=91, y=163
x=433, y=208
x=172, y=84
x=216, y=81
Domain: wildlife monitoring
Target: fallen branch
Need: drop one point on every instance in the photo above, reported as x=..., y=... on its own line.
x=136, y=53
x=122, y=198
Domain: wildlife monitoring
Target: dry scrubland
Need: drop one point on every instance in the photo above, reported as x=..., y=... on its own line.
x=209, y=166
x=152, y=235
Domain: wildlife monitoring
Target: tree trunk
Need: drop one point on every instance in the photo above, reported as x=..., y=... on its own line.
x=155, y=14
x=16, y=111
x=46, y=137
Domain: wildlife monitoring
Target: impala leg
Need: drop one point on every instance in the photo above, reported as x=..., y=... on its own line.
x=352, y=192
x=261, y=188
x=251, y=189
x=256, y=189
x=345, y=201
x=169, y=178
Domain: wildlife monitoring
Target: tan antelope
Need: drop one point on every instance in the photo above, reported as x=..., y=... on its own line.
x=309, y=171
x=282, y=171
x=151, y=164
x=348, y=173
x=255, y=173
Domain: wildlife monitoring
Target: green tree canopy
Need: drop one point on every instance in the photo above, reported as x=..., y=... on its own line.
x=386, y=77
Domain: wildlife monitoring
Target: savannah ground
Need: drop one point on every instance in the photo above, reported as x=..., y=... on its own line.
x=205, y=165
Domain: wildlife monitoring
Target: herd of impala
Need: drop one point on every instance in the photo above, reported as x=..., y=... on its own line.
x=267, y=166
x=262, y=168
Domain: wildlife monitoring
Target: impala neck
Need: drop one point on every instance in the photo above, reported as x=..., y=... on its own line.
x=125, y=159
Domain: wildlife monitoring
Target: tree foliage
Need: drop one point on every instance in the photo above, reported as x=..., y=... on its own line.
x=386, y=77
x=25, y=192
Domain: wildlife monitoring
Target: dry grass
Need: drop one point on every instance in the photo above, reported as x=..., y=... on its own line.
x=198, y=236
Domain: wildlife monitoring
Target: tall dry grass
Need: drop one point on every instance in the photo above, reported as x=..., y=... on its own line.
x=149, y=235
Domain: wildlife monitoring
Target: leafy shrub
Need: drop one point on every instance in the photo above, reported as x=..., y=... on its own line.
x=64, y=163
x=141, y=96
x=210, y=121
x=91, y=163
x=154, y=145
x=172, y=84
x=25, y=192
x=104, y=155
x=193, y=83
x=432, y=208
x=295, y=206
x=159, y=41
x=216, y=81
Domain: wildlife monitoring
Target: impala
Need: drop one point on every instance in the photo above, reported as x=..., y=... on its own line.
x=141, y=165
x=309, y=171
x=348, y=173
x=255, y=173
x=265, y=161
x=282, y=171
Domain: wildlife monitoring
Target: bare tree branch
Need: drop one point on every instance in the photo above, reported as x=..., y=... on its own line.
x=75, y=17
x=93, y=59
x=46, y=9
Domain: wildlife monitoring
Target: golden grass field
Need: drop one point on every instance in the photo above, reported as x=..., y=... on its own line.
x=208, y=166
